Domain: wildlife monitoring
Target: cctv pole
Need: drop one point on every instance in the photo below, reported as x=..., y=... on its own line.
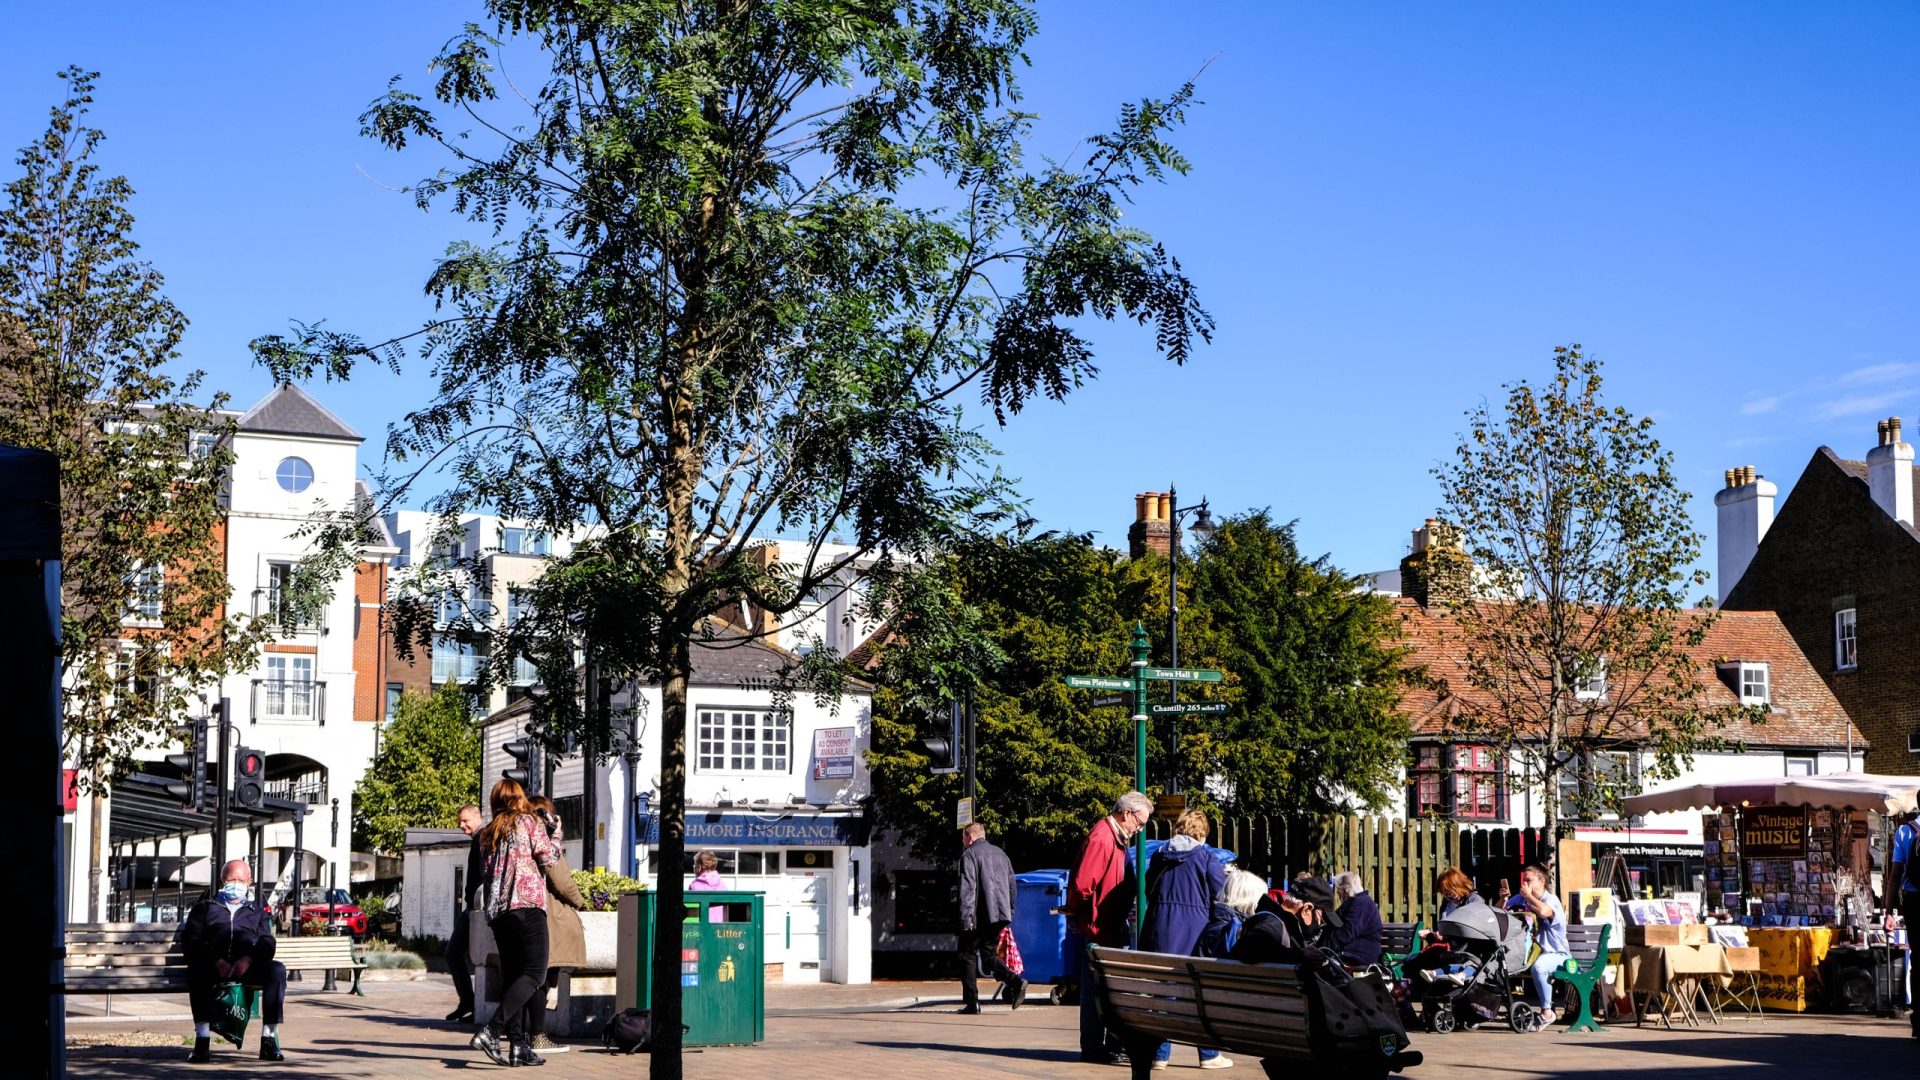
x=220, y=795
x=1141, y=649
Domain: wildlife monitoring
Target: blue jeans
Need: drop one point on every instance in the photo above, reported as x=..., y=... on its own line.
x=1543, y=970
x=1165, y=1053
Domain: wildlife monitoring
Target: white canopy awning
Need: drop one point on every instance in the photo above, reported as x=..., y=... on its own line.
x=1833, y=791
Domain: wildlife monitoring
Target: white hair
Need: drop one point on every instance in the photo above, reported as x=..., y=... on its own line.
x=1132, y=803
x=1348, y=885
x=1242, y=891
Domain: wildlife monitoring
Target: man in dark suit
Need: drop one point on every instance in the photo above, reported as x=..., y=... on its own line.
x=459, y=964
x=228, y=938
x=986, y=908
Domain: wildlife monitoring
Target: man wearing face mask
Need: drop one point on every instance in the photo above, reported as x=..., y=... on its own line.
x=228, y=938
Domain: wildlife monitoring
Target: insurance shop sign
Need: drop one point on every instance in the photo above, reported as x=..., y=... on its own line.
x=1774, y=832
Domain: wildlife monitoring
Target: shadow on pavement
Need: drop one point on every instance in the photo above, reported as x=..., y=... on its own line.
x=1020, y=1053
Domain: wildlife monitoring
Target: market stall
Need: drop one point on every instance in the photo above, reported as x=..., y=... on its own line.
x=1788, y=868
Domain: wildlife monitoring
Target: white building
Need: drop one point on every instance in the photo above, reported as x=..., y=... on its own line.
x=778, y=796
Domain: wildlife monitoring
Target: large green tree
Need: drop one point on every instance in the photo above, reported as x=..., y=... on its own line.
x=1570, y=612
x=752, y=258
x=428, y=767
x=143, y=590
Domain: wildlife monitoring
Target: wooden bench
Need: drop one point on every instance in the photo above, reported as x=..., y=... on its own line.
x=1256, y=1009
x=324, y=951
x=1588, y=947
x=1399, y=942
x=122, y=958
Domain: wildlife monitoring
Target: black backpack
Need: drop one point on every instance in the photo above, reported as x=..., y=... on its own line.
x=630, y=1031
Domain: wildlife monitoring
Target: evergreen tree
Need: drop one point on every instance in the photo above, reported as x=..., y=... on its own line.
x=428, y=767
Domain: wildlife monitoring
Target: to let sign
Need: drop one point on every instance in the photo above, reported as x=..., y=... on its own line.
x=1774, y=832
x=833, y=753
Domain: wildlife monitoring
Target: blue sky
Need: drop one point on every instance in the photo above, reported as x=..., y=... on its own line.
x=1393, y=210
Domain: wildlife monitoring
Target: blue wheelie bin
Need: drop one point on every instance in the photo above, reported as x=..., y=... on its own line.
x=1050, y=952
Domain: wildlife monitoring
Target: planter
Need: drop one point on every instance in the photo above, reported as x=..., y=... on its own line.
x=602, y=932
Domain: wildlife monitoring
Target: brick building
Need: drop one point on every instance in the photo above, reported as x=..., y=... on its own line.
x=1840, y=565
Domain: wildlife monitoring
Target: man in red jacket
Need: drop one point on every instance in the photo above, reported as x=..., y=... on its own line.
x=1098, y=904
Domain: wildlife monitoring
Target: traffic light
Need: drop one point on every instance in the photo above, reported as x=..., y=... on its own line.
x=191, y=788
x=943, y=751
x=249, y=777
x=525, y=768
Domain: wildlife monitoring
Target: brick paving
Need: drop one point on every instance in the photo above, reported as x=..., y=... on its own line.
x=908, y=1031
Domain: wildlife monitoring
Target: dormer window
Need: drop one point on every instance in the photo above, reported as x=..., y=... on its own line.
x=1591, y=684
x=1754, y=686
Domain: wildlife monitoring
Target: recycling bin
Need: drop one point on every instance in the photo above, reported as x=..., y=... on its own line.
x=722, y=992
x=1050, y=951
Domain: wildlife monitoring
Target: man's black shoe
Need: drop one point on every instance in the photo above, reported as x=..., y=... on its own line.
x=202, y=1052
x=488, y=1043
x=462, y=1015
x=1017, y=993
x=270, y=1049
x=969, y=1009
x=523, y=1055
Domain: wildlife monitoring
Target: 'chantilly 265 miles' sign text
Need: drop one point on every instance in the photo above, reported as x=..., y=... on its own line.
x=1773, y=832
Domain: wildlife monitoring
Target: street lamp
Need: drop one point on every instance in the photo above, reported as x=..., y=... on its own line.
x=1203, y=527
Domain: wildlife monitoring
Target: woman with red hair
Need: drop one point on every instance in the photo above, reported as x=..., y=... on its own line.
x=515, y=851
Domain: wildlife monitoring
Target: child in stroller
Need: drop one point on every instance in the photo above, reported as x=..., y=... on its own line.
x=1474, y=974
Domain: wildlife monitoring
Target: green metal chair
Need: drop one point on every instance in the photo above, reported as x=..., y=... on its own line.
x=1399, y=942
x=1586, y=975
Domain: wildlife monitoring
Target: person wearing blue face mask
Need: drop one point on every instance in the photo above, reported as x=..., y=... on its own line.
x=228, y=938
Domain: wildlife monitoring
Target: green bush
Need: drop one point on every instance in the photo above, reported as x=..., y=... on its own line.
x=602, y=889
x=379, y=956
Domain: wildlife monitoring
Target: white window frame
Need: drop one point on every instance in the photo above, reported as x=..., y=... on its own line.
x=740, y=739
x=289, y=687
x=286, y=486
x=1846, y=639
x=146, y=598
x=1808, y=765
x=1592, y=686
x=1765, y=696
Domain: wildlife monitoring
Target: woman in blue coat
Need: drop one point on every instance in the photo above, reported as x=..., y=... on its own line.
x=1182, y=881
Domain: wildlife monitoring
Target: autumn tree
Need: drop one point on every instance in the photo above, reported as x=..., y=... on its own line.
x=87, y=377
x=1572, y=617
x=427, y=768
x=750, y=261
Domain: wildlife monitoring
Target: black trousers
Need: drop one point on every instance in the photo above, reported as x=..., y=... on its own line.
x=976, y=953
x=1910, y=911
x=521, y=935
x=537, y=1007
x=270, y=979
x=459, y=963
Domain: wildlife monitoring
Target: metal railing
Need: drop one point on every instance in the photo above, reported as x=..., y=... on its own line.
x=289, y=701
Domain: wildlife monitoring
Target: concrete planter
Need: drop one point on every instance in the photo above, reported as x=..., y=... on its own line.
x=602, y=930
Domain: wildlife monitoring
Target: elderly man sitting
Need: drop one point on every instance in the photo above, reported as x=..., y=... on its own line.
x=226, y=939
x=1357, y=939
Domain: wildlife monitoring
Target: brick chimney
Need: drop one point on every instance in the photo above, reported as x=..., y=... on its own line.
x=1152, y=525
x=1890, y=472
x=1438, y=570
x=1745, y=509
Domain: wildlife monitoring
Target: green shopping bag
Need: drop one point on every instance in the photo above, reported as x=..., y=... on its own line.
x=235, y=1004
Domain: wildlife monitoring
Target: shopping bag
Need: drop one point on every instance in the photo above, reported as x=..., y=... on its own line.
x=1008, y=951
x=234, y=1005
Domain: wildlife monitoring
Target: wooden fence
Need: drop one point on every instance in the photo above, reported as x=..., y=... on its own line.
x=1397, y=858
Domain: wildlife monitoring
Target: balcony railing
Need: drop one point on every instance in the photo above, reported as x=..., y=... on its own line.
x=310, y=791
x=289, y=701
x=455, y=667
x=270, y=604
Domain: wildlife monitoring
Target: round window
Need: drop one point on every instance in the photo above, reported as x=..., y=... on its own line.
x=294, y=474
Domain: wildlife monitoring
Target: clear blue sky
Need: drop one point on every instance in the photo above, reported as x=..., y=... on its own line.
x=1393, y=210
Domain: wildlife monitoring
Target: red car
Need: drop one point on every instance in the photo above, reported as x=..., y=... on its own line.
x=347, y=916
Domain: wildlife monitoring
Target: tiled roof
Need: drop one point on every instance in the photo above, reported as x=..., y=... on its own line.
x=290, y=410
x=1805, y=712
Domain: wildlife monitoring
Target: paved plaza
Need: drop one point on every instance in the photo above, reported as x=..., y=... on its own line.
x=909, y=1031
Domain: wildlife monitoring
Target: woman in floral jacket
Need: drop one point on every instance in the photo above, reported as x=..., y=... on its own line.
x=515, y=851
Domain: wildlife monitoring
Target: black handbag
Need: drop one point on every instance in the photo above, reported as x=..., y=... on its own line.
x=631, y=1031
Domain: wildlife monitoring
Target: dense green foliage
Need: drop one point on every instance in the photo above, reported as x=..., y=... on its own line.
x=427, y=768
x=751, y=260
x=1582, y=551
x=1312, y=676
x=86, y=340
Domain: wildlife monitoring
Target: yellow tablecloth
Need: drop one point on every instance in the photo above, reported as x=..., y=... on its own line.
x=1789, y=963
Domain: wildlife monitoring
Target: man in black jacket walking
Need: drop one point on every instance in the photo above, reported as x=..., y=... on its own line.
x=459, y=963
x=228, y=938
x=986, y=908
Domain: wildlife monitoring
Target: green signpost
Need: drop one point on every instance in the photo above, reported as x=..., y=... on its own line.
x=1137, y=686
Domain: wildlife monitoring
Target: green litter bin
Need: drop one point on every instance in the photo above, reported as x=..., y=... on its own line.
x=722, y=993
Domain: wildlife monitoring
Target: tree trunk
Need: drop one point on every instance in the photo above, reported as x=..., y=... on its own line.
x=671, y=908
x=98, y=805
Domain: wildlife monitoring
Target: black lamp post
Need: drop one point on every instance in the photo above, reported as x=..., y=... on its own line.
x=1203, y=527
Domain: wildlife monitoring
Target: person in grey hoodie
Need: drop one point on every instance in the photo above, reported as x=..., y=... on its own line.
x=986, y=908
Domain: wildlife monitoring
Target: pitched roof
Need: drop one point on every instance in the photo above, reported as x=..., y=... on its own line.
x=290, y=410
x=1804, y=711
x=1857, y=471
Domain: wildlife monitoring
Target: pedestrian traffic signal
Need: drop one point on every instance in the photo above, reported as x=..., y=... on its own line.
x=249, y=777
x=943, y=751
x=191, y=788
x=525, y=756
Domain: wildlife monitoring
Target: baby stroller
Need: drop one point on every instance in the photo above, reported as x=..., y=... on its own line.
x=1491, y=948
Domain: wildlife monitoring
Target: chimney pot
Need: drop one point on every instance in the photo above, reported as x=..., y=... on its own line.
x=1731, y=474
x=1890, y=473
x=1140, y=507
x=1166, y=505
x=1893, y=429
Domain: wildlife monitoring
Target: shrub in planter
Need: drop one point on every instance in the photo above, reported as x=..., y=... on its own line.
x=602, y=889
